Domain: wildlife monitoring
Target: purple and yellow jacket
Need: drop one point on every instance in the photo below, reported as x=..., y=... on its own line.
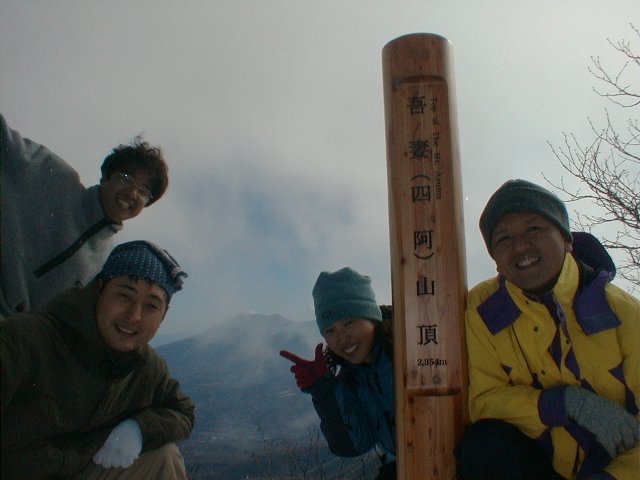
x=519, y=360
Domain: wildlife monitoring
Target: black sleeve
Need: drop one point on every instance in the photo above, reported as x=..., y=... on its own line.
x=332, y=425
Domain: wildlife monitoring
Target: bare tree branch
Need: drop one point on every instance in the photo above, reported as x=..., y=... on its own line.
x=608, y=169
x=619, y=93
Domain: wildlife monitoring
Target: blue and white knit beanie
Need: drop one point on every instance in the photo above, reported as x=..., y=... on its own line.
x=516, y=196
x=344, y=294
x=144, y=259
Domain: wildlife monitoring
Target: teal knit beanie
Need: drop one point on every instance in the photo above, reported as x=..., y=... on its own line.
x=344, y=294
x=516, y=196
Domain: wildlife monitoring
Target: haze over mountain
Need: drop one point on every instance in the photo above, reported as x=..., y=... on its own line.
x=238, y=380
x=250, y=415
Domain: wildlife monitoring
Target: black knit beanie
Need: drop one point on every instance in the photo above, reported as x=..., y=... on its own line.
x=515, y=196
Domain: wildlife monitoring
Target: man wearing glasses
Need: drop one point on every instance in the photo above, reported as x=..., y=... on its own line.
x=56, y=233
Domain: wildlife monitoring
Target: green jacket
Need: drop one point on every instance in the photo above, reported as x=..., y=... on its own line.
x=63, y=391
x=512, y=368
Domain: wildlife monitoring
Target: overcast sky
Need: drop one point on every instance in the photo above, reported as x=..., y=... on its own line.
x=271, y=117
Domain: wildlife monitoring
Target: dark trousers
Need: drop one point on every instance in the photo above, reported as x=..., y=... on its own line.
x=496, y=450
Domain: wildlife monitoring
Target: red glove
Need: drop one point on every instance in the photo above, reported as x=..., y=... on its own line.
x=307, y=372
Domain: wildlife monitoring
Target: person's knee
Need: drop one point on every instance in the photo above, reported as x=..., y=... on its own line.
x=489, y=437
x=169, y=450
x=492, y=449
x=165, y=461
x=483, y=444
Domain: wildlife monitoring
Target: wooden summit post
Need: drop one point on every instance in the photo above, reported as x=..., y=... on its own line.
x=428, y=272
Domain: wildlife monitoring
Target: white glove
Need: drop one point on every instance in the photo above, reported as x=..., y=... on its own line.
x=122, y=447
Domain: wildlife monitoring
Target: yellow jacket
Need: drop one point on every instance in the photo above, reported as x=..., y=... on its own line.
x=511, y=370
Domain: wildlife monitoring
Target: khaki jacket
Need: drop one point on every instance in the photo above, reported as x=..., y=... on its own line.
x=63, y=391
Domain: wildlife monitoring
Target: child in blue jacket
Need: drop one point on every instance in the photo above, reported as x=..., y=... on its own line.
x=351, y=380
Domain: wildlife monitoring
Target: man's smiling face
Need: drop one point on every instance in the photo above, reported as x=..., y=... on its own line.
x=121, y=201
x=129, y=311
x=529, y=251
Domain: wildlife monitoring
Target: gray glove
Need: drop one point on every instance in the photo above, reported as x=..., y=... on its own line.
x=607, y=420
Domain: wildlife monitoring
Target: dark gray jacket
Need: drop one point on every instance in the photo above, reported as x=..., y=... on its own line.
x=45, y=211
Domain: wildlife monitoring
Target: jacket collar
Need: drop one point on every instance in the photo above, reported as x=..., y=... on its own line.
x=377, y=357
x=73, y=314
x=592, y=308
x=499, y=310
x=593, y=312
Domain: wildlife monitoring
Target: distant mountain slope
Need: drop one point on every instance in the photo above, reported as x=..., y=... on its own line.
x=238, y=380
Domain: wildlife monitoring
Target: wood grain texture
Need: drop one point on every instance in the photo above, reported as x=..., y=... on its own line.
x=427, y=254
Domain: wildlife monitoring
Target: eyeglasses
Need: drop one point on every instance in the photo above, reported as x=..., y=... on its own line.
x=130, y=181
